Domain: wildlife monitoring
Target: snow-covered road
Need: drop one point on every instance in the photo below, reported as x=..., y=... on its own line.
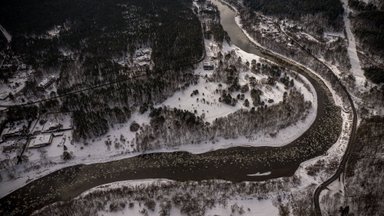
x=356, y=69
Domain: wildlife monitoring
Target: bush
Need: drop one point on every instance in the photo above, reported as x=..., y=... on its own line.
x=67, y=155
x=134, y=127
x=150, y=204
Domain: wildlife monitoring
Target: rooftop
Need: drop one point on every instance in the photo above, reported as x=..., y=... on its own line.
x=41, y=140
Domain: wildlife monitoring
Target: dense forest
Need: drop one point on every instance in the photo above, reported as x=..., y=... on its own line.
x=368, y=26
x=103, y=29
x=363, y=193
x=295, y=9
x=84, y=42
x=365, y=197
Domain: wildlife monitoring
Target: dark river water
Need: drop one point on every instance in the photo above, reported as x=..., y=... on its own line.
x=233, y=164
x=238, y=38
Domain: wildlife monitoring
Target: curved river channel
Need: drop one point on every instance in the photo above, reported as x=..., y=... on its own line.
x=233, y=164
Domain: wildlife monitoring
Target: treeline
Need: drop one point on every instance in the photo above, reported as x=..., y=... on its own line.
x=361, y=5
x=295, y=9
x=368, y=27
x=369, y=5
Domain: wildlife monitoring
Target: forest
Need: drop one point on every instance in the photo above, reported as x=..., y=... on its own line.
x=369, y=28
x=295, y=9
x=83, y=42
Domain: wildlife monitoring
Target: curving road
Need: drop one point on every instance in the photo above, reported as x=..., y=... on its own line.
x=232, y=164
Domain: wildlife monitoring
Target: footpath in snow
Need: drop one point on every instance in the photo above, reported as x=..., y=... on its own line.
x=356, y=69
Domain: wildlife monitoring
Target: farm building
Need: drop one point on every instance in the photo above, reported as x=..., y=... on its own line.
x=41, y=140
x=208, y=66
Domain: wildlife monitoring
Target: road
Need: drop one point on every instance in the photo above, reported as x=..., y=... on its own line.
x=352, y=137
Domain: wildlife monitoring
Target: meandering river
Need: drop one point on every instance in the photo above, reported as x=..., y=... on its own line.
x=233, y=164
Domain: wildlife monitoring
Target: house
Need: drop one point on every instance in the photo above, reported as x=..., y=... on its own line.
x=208, y=66
x=47, y=82
x=41, y=140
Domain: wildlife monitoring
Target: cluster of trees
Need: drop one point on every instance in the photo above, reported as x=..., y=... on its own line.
x=230, y=66
x=174, y=127
x=94, y=123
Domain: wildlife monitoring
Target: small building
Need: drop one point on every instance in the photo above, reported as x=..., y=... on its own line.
x=47, y=82
x=54, y=126
x=40, y=140
x=208, y=66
